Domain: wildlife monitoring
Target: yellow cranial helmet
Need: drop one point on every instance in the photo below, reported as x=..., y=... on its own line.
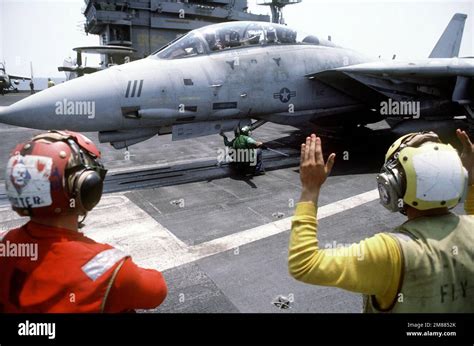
x=423, y=173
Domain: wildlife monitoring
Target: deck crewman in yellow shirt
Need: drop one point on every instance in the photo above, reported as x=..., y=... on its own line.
x=424, y=265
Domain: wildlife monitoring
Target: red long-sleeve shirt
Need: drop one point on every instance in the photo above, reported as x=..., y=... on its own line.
x=136, y=288
x=64, y=271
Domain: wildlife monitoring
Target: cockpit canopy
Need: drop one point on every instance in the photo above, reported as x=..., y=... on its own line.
x=227, y=36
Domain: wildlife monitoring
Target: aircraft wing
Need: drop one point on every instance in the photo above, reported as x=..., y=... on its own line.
x=418, y=69
x=85, y=70
x=442, y=75
x=400, y=80
x=18, y=77
x=349, y=85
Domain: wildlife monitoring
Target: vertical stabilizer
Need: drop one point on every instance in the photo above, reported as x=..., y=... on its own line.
x=450, y=42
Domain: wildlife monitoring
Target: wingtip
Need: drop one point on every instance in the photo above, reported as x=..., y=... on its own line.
x=460, y=16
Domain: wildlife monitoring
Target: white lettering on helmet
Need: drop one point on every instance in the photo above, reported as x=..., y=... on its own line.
x=28, y=181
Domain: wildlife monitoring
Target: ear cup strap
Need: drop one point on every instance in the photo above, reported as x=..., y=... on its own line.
x=418, y=139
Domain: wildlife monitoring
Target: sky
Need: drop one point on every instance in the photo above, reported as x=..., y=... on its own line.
x=45, y=31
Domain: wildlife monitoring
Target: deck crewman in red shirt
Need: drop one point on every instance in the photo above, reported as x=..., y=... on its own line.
x=55, y=179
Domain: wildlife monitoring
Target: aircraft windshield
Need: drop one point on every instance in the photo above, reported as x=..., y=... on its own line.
x=186, y=46
x=228, y=36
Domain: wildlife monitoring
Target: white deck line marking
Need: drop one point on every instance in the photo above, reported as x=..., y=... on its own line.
x=121, y=223
x=233, y=241
x=133, y=231
x=139, y=168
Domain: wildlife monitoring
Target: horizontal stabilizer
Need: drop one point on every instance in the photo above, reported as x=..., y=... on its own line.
x=18, y=77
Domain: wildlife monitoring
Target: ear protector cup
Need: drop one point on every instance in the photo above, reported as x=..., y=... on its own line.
x=87, y=190
x=391, y=187
x=87, y=181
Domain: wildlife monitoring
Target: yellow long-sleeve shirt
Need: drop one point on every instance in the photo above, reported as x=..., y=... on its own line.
x=371, y=267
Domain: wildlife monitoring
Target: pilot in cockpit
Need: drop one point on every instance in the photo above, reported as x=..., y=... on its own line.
x=286, y=35
x=212, y=41
x=229, y=39
x=234, y=38
x=272, y=36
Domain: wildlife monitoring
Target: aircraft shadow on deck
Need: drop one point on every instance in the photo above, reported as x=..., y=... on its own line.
x=363, y=150
x=360, y=152
x=357, y=152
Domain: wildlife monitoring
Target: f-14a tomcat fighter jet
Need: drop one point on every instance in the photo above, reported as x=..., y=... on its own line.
x=9, y=82
x=221, y=75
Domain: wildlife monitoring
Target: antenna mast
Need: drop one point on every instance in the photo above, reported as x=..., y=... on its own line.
x=276, y=7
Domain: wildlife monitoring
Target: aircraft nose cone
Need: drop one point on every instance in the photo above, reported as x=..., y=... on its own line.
x=89, y=103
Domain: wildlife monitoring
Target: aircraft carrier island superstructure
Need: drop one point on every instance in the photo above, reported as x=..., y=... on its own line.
x=147, y=25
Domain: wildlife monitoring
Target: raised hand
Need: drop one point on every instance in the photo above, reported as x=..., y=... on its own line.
x=313, y=170
x=467, y=155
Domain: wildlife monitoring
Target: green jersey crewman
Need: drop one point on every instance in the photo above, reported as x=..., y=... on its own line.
x=244, y=143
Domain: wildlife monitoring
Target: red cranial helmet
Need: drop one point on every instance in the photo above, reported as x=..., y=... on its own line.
x=55, y=173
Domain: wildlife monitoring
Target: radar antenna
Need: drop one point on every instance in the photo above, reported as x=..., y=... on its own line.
x=276, y=7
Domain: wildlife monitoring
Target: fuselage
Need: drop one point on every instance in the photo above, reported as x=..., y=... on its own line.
x=226, y=71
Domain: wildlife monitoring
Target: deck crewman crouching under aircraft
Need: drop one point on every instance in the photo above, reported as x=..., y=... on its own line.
x=54, y=179
x=425, y=265
x=244, y=146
